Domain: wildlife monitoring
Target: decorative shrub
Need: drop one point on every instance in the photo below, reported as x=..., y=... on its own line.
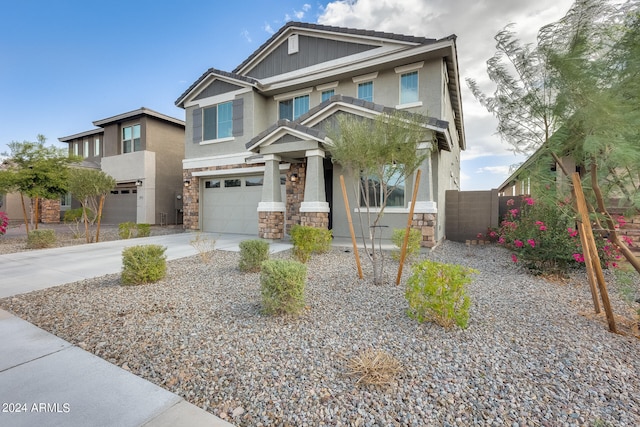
x=282, y=283
x=143, y=264
x=252, y=254
x=413, y=245
x=375, y=367
x=204, y=246
x=308, y=240
x=39, y=239
x=437, y=292
x=74, y=218
x=125, y=229
x=143, y=230
x=4, y=223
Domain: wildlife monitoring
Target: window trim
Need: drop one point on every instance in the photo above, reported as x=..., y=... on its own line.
x=361, y=84
x=96, y=147
x=85, y=148
x=293, y=106
x=417, y=101
x=133, y=139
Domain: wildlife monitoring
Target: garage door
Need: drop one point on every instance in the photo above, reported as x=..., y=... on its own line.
x=229, y=204
x=120, y=206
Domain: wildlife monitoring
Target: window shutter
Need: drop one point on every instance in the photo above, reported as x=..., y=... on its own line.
x=197, y=125
x=238, y=117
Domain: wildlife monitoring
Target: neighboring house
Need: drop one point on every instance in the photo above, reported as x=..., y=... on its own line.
x=143, y=151
x=538, y=171
x=256, y=152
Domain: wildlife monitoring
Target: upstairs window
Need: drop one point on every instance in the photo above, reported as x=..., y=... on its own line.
x=131, y=139
x=409, y=88
x=85, y=148
x=96, y=147
x=293, y=108
x=76, y=149
x=218, y=121
x=365, y=91
x=328, y=94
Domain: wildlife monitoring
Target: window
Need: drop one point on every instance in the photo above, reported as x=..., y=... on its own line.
x=371, y=190
x=218, y=121
x=365, y=91
x=76, y=148
x=214, y=183
x=293, y=108
x=253, y=181
x=85, y=148
x=96, y=147
x=328, y=94
x=228, y=183
x=65, y=201
x=131, y=139
x=409, y=88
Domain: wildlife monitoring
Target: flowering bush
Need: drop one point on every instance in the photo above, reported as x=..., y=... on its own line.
x=4, y=223
x=543, y=239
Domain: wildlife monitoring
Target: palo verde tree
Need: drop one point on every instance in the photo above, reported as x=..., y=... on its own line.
x=90, y=187
x=36, y=171
x=379, y=154
x=575, y=95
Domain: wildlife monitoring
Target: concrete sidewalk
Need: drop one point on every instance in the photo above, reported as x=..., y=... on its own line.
x=46, y=381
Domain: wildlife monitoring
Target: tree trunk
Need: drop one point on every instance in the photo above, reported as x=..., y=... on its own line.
x=99, y=217
x=35, y=211
x=24, y=213
x=86, y=224
x=613, y=234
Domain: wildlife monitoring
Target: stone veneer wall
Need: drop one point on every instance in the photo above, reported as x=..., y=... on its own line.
x=426, y=223
x=50, y=211
x=271, y=225
x=191, y=196
x=315, y=219
x=295, y=194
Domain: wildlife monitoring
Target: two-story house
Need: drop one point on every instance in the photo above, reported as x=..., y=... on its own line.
x=256, y=150
x=142, y=150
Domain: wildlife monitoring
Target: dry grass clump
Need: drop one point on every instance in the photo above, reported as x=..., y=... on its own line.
x=205, y=247
x=375, y=367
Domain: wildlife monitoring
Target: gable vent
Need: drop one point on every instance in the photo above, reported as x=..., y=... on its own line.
x=293, y=44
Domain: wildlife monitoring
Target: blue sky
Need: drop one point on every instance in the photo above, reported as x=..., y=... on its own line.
x=67, y=63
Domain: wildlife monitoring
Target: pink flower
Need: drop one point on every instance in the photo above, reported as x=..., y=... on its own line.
x=513, y=212
x=572, y=232
x=510, y=202
x=529, y=201
x=539, y=223
x=578, y=257
x=514, y=258
x=501, y=240
x=493, y=234
x=479, y=236
x=518, y=243
x=543, y=227
x=532, y=243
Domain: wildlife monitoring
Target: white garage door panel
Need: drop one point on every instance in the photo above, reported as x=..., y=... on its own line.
x=120, y=206
x=231, y=210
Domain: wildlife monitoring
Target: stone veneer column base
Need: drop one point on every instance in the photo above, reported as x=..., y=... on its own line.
x=315, y=219
x=49, y=211
x=271, y=225
x=426, y=223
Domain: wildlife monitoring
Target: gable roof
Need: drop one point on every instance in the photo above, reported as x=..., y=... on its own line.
x=214, y=72
x=369, y=34
x=142, y=111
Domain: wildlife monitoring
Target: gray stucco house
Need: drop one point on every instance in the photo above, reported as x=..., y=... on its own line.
x=142, y=149
x=256, y=158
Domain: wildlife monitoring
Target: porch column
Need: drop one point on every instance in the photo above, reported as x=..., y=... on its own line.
x=271, y=208
x=314, y=210
x=426, y=208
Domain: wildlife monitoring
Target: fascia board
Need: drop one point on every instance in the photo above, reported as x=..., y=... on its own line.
x=280, y=132
x=348, y=65
x=188, y=99
x=334, y=108
x=213, y=100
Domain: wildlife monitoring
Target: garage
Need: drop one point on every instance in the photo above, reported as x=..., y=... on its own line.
x=229, y=204
x=120, y=205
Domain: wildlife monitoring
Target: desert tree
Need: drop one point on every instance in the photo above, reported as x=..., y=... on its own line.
x=380, y=154
x=90, y=187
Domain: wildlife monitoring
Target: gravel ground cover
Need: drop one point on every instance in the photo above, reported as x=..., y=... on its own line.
x=532, y=354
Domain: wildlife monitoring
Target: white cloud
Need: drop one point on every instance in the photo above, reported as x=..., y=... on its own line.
x=306, y=7
x=475, y=24
x=496, y=170
x=246, y=35
x=268, y=28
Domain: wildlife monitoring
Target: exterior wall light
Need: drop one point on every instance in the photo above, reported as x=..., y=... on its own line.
x=294, y=177
x=139, y=183
x=186, y=182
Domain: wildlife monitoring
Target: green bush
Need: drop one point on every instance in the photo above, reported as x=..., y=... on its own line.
x=282, y=283
x=144, y=230
x=125, y=229
x=39, y=239
x=437, y=292
x=308, y=240
x=252, y=254
x=143, y=264
x=413, y=245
